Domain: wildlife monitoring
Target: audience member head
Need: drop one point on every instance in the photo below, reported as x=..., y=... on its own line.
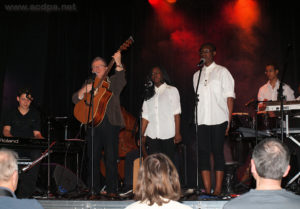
x=271, y=159
x=158, y=181
x=8, y=169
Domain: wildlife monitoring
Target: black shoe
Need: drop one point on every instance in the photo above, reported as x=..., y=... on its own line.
x=126, y=194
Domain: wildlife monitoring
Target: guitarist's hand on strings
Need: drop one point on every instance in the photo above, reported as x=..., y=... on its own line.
x=117, y=58
x=85, y=89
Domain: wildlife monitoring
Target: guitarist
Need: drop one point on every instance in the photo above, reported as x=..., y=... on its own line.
x=105, y=134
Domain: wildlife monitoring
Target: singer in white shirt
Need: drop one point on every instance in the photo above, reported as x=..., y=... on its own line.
x=215, y=94
x=161, y=116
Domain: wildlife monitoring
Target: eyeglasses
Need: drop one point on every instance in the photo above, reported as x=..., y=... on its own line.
x=205, y=51
x=98, y=66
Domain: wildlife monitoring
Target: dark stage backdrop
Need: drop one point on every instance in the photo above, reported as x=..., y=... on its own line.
x=48, y=46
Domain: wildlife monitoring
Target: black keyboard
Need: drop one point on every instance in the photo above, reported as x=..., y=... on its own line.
x=29, y=143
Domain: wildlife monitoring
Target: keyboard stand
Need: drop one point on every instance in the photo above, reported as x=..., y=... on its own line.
x=295, y=141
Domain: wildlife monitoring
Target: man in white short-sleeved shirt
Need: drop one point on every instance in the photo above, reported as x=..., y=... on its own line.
x=215, y=93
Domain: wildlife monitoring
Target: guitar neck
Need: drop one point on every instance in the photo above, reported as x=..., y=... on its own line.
x=124, y=46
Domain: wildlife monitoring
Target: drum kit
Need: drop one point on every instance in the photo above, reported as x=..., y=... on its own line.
x=267, y=123
x=247, y=130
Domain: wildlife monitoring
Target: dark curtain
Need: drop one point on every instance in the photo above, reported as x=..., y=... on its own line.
x=51, y=52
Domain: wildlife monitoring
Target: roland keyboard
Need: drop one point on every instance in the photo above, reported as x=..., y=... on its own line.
x=18, y=142
x=287, y=105
x=39, y=144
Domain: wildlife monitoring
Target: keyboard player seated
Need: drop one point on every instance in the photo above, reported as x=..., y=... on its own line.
x=269, y=91
x=24, y=122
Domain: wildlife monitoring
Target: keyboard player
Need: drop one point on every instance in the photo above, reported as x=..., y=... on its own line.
x=24, y=122
x=268, y=92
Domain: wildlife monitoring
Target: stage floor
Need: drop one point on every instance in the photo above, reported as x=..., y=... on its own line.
x=89, y=204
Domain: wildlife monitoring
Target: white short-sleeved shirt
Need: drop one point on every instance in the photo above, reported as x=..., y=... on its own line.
x=266, y=92
x=159, y=111
x=215, y=86
x=170, y=205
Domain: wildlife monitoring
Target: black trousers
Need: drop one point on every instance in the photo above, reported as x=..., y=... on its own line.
x=211, y=140
x=165, y=146
x=106, y=139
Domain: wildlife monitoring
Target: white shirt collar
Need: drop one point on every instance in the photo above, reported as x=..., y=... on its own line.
x=210, y=67
x=276, y=85
x=160, y=88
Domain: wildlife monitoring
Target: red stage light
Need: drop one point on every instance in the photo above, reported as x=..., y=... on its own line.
x=243, y=13
x=171, y=1
x=153, y=2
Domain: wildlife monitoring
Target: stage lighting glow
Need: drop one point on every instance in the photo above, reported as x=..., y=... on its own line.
x=154, y=2
x=171, y=1
x=243, y=13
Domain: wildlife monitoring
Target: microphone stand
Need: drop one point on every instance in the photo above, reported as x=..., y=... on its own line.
x=91, y=110
x=281, y=98
x=280, y=95
x=147, y=86
x=196, y=97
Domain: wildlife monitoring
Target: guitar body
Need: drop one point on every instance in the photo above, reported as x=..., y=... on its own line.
x=101, y=98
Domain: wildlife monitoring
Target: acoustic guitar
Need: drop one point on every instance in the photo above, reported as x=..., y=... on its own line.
x=83, y=110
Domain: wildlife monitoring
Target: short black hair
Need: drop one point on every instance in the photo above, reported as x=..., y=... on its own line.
x=166, y=79
x=274, y=64
x=24, y=90
x=209, y=44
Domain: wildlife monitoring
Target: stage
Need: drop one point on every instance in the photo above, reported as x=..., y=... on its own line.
x=85, y=204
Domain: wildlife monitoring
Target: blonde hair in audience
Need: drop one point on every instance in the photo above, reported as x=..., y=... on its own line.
x=158, y=181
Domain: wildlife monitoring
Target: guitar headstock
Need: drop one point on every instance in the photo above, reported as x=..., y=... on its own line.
x=126, y=44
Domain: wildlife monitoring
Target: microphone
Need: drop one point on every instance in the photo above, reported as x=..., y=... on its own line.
x=148, y=84
x=91, y=77
x=201, y=63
